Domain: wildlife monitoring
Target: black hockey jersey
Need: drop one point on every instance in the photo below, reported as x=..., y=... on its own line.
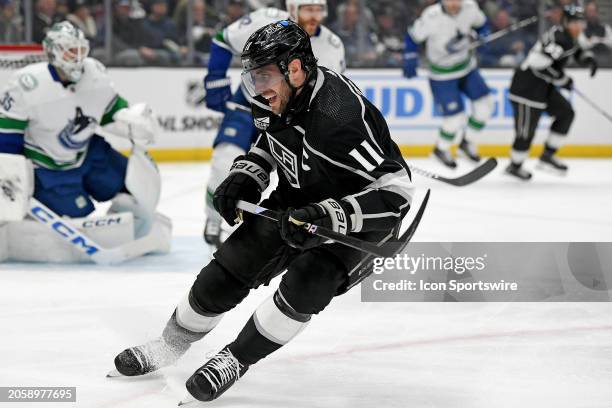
x=333, y=143
x=544, y=67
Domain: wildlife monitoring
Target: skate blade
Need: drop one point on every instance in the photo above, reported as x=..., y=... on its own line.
x=114, y=374
x=463, y=155
x=188, y=400
x=547, y=168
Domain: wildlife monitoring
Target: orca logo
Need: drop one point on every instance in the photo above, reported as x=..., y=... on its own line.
x=76, y=134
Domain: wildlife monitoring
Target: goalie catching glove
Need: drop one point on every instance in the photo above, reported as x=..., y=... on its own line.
x=249, y=176
x=136, y=123
x=296, y=231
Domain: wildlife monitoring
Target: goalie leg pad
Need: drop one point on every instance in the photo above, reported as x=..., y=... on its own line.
x=143, y=182
x=16, y=186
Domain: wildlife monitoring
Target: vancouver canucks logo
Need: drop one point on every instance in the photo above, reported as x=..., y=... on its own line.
x=76, y=134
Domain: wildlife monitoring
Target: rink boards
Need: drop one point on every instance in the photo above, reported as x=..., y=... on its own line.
x=188, y=128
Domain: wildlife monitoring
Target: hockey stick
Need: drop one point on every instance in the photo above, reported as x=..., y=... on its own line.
x=404, y=239
x=492, y=37
x=593, y=105
x=322, y=232
x=469, y=178
x=86, y=245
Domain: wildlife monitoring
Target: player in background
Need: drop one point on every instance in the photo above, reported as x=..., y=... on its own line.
x=447, y=29
x=534, y=90
x=237, y=131
x=49, y=116
x=337, y=167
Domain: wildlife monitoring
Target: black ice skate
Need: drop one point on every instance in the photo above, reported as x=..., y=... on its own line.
x=517, y=170
x=147, y=358
x=445, y=157
x=469, y=150
x=212, y=232
x=550, y=163
x=216, y=376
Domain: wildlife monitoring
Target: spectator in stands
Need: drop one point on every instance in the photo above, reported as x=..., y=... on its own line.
x=11, y=28
x=356, y=28
x=507, y=51
x=80, y=16
x=133, y=44
x=205, y=25
x=165, y=33
x=597, y=35
x=45, y=16
x=390, y=34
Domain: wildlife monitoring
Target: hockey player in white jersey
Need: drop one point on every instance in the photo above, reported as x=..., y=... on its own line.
x=50, y=114
x=237, y=131
x=447, y=29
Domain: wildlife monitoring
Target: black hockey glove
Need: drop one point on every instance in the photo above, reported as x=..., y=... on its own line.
x=329, y=213
x=591, y=63
x=246, y=181
x=568, y=84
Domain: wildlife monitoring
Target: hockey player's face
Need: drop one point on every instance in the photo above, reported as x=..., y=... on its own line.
x=270, y=83
x=452, y=6
x=310, y=17
x=575, y=28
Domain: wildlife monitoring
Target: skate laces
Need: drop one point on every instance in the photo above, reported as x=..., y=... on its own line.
x=223, y=368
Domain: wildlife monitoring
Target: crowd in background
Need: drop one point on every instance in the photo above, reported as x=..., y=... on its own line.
x=154, y=32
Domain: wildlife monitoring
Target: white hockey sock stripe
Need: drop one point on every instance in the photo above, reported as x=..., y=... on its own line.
x=275, y=325
x=555, y=140
x=189, y=319
x=518, y=157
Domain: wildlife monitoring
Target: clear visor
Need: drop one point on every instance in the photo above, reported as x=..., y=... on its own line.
x=258, y=80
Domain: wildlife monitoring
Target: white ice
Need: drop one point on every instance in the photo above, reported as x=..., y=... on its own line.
x=62, y=325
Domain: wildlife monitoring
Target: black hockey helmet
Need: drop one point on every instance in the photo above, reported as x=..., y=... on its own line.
x=279, y=43
x=572, y=12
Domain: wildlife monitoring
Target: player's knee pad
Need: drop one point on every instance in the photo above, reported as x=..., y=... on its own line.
x=143, y=182
x=482, y=109
x=452, y=124
x=312, y=281
x=278, y=321
x=237, y=128
x=563, y=121
x=222, y=158
x=192, y=316
x=216, y=291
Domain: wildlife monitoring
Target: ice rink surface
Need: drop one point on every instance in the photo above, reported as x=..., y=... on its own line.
x=62, y=325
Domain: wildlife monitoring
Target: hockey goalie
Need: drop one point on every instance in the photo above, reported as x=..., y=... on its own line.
x=54, y=164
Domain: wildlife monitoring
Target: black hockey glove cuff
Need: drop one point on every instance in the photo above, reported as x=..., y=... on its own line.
x=329, y=214
x=591, y=63
x=246, y=181
x=568, y=84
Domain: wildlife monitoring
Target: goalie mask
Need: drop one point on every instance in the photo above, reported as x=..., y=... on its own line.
x=66, y=48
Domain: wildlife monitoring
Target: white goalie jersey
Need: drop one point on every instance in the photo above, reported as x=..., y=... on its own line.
x=438, y=30
x=56, y=121
x=326, y=46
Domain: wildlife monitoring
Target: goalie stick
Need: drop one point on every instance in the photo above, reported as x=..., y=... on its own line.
x=469, y=178
x=364, y=246
x=63, y=229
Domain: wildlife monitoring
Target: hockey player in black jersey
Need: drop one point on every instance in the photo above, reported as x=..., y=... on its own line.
x=534, y=90
x=337, y=167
